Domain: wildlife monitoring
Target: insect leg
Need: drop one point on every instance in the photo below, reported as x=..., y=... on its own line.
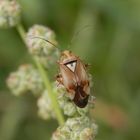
x=59, y=79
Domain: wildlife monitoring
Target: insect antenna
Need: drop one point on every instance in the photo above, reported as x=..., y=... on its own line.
x=34, y=37
x=75, y=35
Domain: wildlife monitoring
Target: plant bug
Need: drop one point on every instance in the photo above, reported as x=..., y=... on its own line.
x=74, y=77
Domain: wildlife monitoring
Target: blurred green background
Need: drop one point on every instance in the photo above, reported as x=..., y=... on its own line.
x=111, y=45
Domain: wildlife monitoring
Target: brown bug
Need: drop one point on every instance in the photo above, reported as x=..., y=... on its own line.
x=74, y=77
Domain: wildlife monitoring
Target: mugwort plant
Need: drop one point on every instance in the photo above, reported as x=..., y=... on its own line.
x=69, y=96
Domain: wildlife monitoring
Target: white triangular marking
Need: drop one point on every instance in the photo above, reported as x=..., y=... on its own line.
x=71, y=66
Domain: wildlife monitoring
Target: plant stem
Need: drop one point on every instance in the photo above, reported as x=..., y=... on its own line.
x=21, y=31
x=46, y=81
x=50, y=92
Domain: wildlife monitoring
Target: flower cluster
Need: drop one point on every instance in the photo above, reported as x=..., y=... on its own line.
x=41, y=43
x=25, y=79
x=9, y=13
x=45, y=109
x=76, y=128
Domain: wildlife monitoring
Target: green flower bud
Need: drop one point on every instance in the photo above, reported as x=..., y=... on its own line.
x=78, y=128
x=83, y=111
x=9, y=13
x=16, y=83
x=86, y=134
x=25, y=79
x=35, y=82
x=69, y=109
x=45, y=109
x=62, y=133
x=46, y=52
x=64, y=101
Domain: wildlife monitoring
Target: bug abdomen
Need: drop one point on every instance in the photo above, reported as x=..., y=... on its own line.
x=81, y=98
